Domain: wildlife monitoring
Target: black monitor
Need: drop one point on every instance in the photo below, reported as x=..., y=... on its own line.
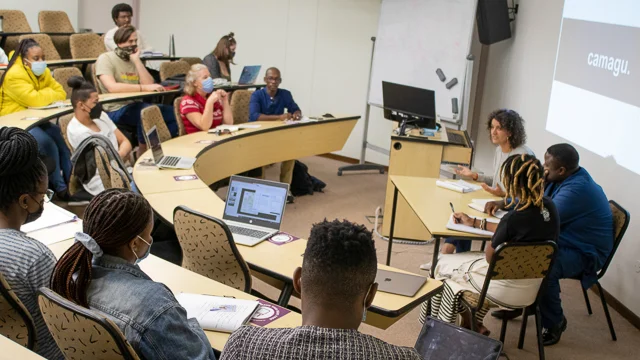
x=409, y=104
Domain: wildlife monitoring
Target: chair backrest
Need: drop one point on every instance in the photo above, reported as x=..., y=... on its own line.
x=86, y=46
x=94, y=77
x=173, y=68
x=191, y=60
x=209, y=250
x=15, y=321
x=54, y=22
x=81, y=333
x=45, y=43
x=519, y=261
x=63, y=122
x=118, y=178
x=152, y=116
x=102, y=163
x=13, y=21
x=61, y=75
x=240, y=106
x=621, y=218
x=176, y=112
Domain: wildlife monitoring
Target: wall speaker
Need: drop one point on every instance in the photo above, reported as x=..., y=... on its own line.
x=493, y=21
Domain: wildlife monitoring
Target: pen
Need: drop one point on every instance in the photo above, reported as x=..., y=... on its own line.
x=453, y=211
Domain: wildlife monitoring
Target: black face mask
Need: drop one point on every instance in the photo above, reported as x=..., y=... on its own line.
x=31, y=217
x=96, y=111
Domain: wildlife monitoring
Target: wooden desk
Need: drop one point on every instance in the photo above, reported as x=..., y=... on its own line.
x=251, y=148
x=420, y=156
x=12, y=350
x=430, y=203
x=180, y=280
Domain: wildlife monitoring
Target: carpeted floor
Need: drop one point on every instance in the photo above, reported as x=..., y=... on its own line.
x=355, y=196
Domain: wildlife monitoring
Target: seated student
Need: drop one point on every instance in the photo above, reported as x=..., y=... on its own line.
x=121, y=14
x=121, y=71
x=269, y=104
x=27, y=82
x=100, y=271
x=506, y=130
x=586, y=233
x=202, y=108
x=532, y=218
x=88, y=120
x=221, y=57
x=337, y=285
x=25, y=263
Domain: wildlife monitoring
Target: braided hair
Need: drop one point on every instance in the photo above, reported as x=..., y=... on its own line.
x=21, y=169
x=112, y=219
x=523, y=179
x=22, y=51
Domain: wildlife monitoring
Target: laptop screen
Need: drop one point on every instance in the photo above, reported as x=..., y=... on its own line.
x=154, y=143
x=249, y=75
x=256, y=202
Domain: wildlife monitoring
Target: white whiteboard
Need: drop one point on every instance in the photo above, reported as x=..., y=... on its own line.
x=416, y=37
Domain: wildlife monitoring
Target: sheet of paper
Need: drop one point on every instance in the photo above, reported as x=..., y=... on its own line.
x=304, y=119
x=248, y=126
x=460, y=186
x=55, y=105
x=51, y=216
x=218, y=313
x=479, y=204
x=451, y=225
x=57, y=233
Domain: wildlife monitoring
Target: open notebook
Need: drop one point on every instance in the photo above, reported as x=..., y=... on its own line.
x=451, y=225
x=479, y=204
x=460, y=186
x=218, y=313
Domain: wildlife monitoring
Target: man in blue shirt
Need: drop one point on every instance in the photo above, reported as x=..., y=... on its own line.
x=269, y=104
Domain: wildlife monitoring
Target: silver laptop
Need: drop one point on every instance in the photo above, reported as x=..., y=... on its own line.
x=166, y=162
x=399, y=283
x=254, y=209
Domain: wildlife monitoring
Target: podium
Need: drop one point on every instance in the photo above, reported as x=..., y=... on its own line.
x=421, y=156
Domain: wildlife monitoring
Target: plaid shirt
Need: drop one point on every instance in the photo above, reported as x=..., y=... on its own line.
x=310, y=342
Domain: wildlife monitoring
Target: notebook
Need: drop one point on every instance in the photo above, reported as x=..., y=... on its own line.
x=451, y=225
x=479, y=204
x=218, y=313
x=460, y=186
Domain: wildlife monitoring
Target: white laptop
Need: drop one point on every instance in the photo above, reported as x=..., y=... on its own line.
x=254, y=209
x=166, y=162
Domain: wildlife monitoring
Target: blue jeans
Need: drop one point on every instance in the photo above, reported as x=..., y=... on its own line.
x=461, y=244
x=51, y=144
x=569, y=263
x=130, y=115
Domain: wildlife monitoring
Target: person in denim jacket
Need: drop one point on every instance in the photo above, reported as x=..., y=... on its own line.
x=100, y=271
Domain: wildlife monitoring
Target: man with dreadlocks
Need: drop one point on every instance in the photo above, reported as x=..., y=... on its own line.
x=531, y=218
x=586, y=233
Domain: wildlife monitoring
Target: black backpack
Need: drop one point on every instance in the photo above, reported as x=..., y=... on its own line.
x=302, y=183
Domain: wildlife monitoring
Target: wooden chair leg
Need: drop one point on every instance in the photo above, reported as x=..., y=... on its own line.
x=503, y=329
x=586, y=300
x=606, y=312
x=539, y=333
x=523, y=328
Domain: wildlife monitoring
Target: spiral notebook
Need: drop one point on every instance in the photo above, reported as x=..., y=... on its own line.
x=218, y=313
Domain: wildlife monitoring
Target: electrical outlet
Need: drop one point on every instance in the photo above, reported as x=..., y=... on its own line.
x=638, y=266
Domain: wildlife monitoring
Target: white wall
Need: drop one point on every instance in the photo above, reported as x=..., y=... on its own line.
x=322, y=47
x=519, y=76
x=31, y=8
x=96, y=15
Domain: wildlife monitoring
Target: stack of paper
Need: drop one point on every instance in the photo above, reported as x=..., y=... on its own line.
x=451, y=225
x=54, y=105
x=479, y=204
x=52, y=215
x=218, y=313
x=460, y=186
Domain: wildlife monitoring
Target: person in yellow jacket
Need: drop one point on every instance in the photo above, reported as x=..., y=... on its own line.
x=27, y=82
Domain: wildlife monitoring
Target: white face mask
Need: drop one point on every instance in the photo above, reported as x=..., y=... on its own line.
x=138, y=259
x=364, y=305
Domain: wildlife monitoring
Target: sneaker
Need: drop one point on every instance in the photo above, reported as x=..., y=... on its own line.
x=426, y=266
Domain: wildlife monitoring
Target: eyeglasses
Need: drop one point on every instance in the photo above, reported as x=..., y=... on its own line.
x=274, y=79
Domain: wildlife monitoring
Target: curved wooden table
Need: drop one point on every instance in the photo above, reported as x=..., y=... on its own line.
x=248, y=149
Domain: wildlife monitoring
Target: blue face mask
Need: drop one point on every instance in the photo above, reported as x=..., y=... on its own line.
x=38, y=67
x=138, y=259
x=207, y=85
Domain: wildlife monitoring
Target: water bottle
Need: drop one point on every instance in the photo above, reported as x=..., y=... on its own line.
x=172, y=46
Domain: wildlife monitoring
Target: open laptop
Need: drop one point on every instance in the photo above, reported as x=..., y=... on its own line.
x=399, y=283
x=254, y=209
x=166, y=162
x=249, y=75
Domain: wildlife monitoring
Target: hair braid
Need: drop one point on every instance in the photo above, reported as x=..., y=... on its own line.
x=113, y=218
x=523, y=178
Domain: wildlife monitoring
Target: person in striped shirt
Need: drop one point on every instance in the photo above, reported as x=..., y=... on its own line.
x=25, y=263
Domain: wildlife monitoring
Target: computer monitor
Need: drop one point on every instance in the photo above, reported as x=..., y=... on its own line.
x=410, y=105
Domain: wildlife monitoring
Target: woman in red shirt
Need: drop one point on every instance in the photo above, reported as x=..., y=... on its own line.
x=202, y=108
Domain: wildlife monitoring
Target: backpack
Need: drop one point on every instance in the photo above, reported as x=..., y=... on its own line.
x=302, y=183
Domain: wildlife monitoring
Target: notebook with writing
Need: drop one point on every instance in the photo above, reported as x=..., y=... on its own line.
x=218, y=313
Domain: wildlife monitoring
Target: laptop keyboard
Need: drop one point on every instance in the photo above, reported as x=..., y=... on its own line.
x=170, y=160
x=247, y=232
